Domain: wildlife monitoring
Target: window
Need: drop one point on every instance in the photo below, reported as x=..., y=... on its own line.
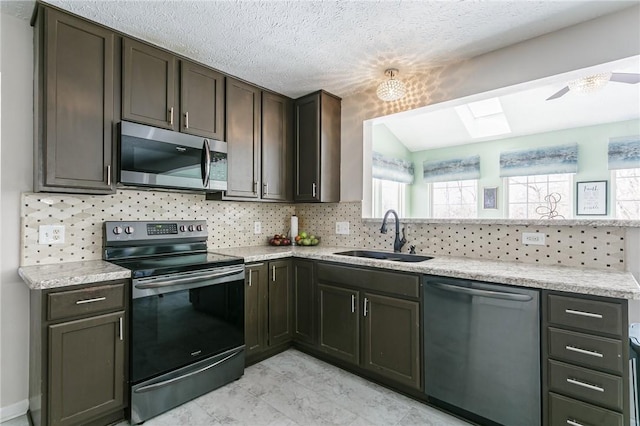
x=455, y=199
x=527, y=196
x=627, y=193
x=388, y=195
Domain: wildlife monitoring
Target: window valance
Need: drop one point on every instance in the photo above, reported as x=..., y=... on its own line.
x=393, y=169
x=624, y=152
x=448, y=170
x=539, y=161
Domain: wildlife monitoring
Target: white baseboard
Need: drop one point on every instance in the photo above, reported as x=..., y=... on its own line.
x=14, y=410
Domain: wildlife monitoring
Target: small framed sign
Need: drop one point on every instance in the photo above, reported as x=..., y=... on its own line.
x=490, y=198
x=591, y=198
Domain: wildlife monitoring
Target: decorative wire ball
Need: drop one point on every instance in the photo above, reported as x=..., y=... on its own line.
x=550, y=211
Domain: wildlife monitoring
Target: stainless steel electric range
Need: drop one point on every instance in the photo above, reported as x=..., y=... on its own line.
x=187, y=312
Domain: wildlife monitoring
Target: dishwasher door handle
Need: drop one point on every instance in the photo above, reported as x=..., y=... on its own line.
x=484, y=293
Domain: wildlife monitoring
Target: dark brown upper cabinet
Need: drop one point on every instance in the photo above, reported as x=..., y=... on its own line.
x=317, y=148
x=74, y=99
x=149, y=85
x=258, y=129
x=243, y=139
x=201, y=101
x=276, y=143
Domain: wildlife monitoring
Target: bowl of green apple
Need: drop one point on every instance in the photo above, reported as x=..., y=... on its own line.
x=306, y=239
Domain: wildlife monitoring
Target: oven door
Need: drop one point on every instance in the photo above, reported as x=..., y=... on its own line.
x=181, y=319
x=161, y=158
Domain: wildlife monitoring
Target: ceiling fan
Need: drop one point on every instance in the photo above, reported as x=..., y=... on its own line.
x=594, y=82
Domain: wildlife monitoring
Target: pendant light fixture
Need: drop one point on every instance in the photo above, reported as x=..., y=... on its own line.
x=591, y=83
x=392, y=89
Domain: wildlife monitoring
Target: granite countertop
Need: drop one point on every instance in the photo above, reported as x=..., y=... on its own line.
x=41, y=277
x=596, y=282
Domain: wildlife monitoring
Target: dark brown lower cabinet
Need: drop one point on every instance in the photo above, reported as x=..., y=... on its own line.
x=268, y=308
x=392, y=339
x=304, y=297
x=86, y=365
x=339, y=322
x=256, y=308
x=78, y=358
x=370, y=319
x=280, y=302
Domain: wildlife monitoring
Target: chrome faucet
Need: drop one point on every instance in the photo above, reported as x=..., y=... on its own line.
x=397, y=243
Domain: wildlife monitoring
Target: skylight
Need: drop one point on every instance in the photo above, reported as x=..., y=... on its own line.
x=484, y=118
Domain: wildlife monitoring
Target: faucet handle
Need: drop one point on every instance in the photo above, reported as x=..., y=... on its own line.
x=403, y=240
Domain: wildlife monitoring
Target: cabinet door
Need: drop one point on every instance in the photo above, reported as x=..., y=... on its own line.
x=339, y=322
x=86, y=368
x=243, y=139
x=149, y=86
x=276, y=133
x=307, y=148
x=75, y=145
x=391, y=337
x=256, y=306
x=201, y=101
x=280, y=304
x=304, y=302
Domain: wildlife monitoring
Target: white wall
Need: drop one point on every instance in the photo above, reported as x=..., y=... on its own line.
x=592, y=43
x=16, y=154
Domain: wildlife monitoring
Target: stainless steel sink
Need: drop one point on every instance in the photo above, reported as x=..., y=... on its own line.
x=383, y=255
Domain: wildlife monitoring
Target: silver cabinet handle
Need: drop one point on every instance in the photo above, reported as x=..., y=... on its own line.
x=584, y=351
x=250, y=274
x=97, y=299
x=353, y=303
x=574, y=423
x=186, y=120
x=366, y=301
x=585, y=385
x=121, y=328
x=266, y=188
x=582, y=313
x=109, y=175
x=255, y=186
x=171, y=116
x=313, y=189
x=273, y=272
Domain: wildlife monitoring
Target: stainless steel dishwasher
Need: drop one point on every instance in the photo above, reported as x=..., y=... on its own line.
x=482, y=349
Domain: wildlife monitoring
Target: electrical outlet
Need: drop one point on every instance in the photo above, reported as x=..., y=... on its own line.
x=342, y=228
x=257, y=228
x=51, y=234
x=533, y=238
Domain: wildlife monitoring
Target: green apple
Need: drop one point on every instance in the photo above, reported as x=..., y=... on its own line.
x=303, y=235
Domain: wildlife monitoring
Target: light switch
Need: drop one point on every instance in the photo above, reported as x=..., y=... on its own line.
x=342, y=228
x=257, y=228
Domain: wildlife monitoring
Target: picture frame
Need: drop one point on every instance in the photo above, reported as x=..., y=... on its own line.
x=490, y=198
x=591, y=198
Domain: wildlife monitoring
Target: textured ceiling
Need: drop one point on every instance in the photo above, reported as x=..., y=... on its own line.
x=296, y=47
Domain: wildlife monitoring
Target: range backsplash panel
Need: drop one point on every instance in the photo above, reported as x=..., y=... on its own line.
x=231, y=224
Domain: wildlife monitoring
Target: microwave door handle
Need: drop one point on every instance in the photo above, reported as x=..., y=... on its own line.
x=206, y=163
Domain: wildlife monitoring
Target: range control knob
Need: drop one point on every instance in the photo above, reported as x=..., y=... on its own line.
x=191, y=228
x=200, y=228
x=128, y=229
x=117, y=230
x=183, y=228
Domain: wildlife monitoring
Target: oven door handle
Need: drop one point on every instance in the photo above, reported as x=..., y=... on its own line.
x=159, y=283
x=185, y=376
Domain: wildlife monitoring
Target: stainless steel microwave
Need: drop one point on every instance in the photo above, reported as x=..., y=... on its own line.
x=165, y=159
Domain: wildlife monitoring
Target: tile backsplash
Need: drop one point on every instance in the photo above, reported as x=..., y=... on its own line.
x=230, y=224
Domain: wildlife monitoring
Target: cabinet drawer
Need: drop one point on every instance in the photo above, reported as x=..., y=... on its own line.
x=586, y=350
x=91, y=300
x=565, y=411
x=371, y=279
x=588, y=385
x=589, y=315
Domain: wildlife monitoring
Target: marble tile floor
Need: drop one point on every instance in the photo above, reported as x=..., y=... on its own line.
x=292, y=389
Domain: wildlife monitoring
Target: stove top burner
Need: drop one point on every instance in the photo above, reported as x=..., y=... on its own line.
x=151, y=248
x=170, y=264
